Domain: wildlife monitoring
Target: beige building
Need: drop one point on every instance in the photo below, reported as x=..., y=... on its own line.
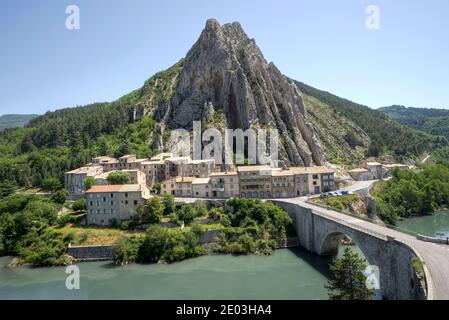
x=199, y=168
x=74, y=180
x=130, y=162
x=179, y=186
x=108, y=163
x=376, y=170
x=360, y=174
x=255, y=181
x=283, y=183
x=154, y=171
x=111, y=204
x=225, y=184
x=201, y=188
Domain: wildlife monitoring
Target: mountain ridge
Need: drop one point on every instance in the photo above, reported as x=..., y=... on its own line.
x=223, y=81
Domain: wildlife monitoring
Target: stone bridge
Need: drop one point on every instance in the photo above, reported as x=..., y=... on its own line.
x=321, y=233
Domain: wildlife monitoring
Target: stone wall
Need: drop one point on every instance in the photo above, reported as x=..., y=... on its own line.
x=91, y=253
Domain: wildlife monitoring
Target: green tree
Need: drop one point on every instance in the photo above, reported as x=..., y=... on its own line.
x=127, y=250
x=51, y=184
x=151, y=212
x=156, y=188
x=169, y=204
x=80, y=205
x=59, y=196
x=88, y=183
x=7, y=187
x=349, y=282
x=119, y=178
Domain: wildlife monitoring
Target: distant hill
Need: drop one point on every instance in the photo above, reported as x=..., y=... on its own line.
x=386, y=134
x=15, y=120
x=430, y=120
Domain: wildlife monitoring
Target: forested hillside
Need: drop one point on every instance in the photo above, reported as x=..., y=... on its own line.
x=15, y=120
x=433, y=121
x=387, y=136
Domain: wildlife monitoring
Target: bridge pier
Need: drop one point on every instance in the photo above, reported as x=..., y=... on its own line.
x=322, y=235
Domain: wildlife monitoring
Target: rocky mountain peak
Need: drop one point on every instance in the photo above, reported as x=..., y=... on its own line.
x=226, y=71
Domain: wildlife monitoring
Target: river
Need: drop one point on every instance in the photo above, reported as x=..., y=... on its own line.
x=287, y=274
x=427, y=225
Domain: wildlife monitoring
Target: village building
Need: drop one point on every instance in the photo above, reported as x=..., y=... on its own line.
x=283, y=184
x=360, y=174
x=376, y=170
x=110, y=204
x=255, y=181
x=225, y=184
x=74, y=179
x=201, y=188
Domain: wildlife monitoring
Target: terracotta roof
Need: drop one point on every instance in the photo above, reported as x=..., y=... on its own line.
x=153, y=162
x=115, y=188
x=395, y=165
x=253, y=168
x=91, y=169
x=283, y=173
x=201, y=181
x=219, y=174
x=184, y=179
x=358, y=170
x=312, y=170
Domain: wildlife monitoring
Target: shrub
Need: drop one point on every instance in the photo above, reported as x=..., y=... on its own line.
x=59, y=196
x=80, y=205
x=51, y=184
x=127, y=250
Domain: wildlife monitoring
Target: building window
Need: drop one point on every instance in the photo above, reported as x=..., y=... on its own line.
x=135, y=202
x=315, y=176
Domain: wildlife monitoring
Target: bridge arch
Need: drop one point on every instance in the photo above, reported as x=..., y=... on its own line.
x=321, y=234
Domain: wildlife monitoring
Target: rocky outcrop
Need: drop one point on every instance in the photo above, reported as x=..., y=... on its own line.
x=225, y=73
x=225, y=70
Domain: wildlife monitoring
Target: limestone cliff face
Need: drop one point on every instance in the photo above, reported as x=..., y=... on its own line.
x=225, y=70
x=225, y=73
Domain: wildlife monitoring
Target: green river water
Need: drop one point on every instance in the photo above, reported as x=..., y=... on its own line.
x=427, y=225
x=287, y=274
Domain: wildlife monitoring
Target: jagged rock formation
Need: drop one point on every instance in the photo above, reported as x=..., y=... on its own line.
x=225, y=77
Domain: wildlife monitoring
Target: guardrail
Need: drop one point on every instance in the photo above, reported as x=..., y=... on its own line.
x=390, y=226
x=432, y=239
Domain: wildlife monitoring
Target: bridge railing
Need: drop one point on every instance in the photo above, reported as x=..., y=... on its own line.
x=345, y=223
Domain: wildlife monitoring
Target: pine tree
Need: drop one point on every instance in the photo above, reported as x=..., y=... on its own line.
x=349, y=282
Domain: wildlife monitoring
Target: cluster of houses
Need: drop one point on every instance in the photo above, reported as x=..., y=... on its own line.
x=184, y=177
x=375, y=171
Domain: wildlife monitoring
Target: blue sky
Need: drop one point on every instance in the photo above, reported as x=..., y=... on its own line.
x=44, y=66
